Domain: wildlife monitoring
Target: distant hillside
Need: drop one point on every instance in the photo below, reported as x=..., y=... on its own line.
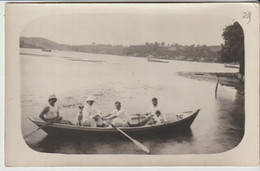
x=158, y=50
x=41, y=43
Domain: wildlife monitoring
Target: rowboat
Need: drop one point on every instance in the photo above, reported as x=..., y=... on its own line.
x=157, y=60
x=46, y=50
x=183, y=122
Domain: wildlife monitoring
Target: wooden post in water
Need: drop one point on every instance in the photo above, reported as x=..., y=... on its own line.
x=216, y=89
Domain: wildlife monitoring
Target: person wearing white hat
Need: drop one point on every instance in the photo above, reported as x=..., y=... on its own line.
x=87, y=113
x=50, y=112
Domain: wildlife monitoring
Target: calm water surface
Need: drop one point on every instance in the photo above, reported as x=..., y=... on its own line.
x=73, y=76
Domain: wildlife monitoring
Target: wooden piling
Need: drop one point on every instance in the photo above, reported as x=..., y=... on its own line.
x=216, y=89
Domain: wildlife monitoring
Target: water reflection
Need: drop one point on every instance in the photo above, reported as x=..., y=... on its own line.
x=232, y=120
x=109, y=144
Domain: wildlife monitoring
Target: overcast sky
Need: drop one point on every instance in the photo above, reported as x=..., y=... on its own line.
x=129, y=29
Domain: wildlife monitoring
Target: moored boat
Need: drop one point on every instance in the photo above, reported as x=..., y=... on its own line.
x=157, y=60
x=231, y=66
x=183, y=122
x=46, y=50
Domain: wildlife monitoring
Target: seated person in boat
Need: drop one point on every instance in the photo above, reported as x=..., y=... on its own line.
x=51, y=112
x=151, y=116
x=157, y=119
x=117, y=117
x=87, y=113
x=154, y=108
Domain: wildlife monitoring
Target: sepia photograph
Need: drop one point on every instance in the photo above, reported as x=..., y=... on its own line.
x=152, y=81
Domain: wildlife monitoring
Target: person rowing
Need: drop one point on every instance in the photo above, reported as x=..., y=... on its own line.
x=88, y=113
x=51, y=112
x=117, y=117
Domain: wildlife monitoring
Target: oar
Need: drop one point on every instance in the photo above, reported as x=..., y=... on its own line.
x=145, y=149
x=135, y=141
x=33, y=131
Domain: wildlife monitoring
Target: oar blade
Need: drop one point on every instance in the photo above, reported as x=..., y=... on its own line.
x=145, y=149
x=30, y=133
x=27, y=134
x=133, y=140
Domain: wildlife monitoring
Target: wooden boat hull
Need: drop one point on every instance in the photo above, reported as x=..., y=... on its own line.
x=169, y=128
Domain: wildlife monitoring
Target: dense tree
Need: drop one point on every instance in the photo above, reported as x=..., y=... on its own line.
x=162, y=44
x=233, y=48
x=156, y=44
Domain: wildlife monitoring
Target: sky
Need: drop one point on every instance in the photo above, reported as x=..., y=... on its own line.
x=129, y=29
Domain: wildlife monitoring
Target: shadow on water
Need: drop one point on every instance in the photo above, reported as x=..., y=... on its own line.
x=119, y=144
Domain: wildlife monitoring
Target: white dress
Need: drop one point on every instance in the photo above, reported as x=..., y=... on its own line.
x=88, y=113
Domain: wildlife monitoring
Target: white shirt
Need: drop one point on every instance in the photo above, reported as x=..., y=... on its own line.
x=121, y=114
x=90, y=111
x=52, y=113
x=153, y=109
x=159, y=120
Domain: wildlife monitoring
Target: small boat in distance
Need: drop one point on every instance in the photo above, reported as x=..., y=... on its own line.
x=46, y=50
x=182, y=123
x=150, y=59
x=231, y=66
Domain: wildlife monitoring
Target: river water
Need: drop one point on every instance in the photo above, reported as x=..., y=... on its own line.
x=72, y=76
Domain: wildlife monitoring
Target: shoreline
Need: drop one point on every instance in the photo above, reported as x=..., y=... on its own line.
x=123, y=56
x=234, y=80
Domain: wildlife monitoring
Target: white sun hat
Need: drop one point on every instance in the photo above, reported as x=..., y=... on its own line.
x=52, y=96
x=90, y=98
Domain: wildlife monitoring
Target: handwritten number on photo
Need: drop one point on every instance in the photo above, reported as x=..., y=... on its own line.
x=247, y=15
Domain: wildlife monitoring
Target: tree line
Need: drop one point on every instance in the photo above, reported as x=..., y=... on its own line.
x=157, y=50
x=231, y=51
x=175, y=51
